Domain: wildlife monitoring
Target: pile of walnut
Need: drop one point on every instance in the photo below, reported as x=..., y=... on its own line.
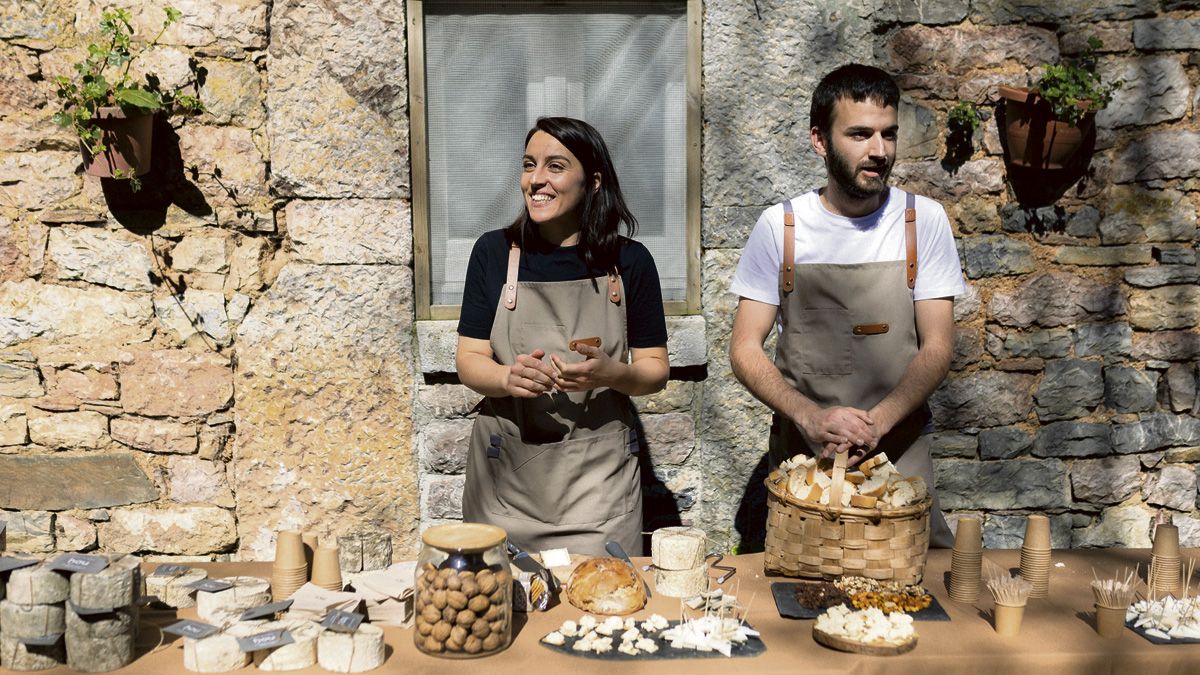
x=873, y=484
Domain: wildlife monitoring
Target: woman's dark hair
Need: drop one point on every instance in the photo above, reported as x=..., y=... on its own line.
x=602, y=209
x=853, y=81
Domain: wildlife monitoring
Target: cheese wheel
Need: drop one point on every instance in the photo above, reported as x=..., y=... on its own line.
x=219, y=652
x=302, y=653
x=31, y=621
x=173, y=590
x=93, y=654
x=37, y=585
x=355, y=652
x=247, y=592
x=118, y=585
x=15, y=655
x=677, y=548
x=109, y=624
x=681, y=583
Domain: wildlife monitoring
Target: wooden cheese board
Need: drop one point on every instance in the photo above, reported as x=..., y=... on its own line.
x=853, y=646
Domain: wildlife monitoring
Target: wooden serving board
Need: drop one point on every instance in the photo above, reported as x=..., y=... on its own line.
x=843, y=645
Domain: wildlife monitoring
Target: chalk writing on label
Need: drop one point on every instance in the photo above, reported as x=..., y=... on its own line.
x=342, y=622
x=191, y=629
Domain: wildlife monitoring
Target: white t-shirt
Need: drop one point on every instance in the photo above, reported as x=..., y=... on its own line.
x=824, y=237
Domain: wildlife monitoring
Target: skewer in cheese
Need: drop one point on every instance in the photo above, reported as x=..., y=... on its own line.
x=355, y=652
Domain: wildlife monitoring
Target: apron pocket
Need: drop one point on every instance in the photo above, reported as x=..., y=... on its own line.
x=824, y=341
x=587, y=480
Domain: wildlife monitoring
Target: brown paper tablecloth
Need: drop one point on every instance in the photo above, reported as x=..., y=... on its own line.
x=1056, y=636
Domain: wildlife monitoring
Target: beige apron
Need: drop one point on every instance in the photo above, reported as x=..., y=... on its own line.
x=560, y=470
x=849, y=333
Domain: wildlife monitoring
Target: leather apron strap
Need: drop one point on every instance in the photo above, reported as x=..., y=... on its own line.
x=787, y=275
x=910, y=238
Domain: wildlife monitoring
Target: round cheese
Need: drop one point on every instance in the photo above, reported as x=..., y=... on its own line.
x=247, y=592
x=302, y=653
x=355, y=652
x=677, y=548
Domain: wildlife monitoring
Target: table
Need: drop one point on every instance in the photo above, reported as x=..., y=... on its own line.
x=1056, y=635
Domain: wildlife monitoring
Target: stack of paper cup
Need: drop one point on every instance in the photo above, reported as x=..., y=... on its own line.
x=1164, y=562
x=1035, y=555
x=290, y=570
x=966, y=560
x=327, y=573
x=311, y=541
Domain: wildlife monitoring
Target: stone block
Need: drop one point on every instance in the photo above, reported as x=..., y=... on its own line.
x=183, y=530
x=231, y=172
x=996, y=255
x=166, y=383
x=1004, y=443
x=446, y=401
x=1177, y=255
x=443, y=497
x=1104, y=256
x=966, y=306
x=930, y=178
x=223, y=25
x=1114, y=37
x=232, y=94
x=29, y=309
x=153, y=435
x=1068, y=12
x=28, y=531
x=437, y=342
x=72, y=533
x=1181, y=387
x=68, y=430
x=1073, y=439
x=1173, y=486
x=197, y=253
x=13, y=424
x=1110, y=340
x=1117, y=526
x=382, y=231
x=919, y=131
x=1069, y=389
x=340, y=68
x=1007, y=530
x=1134, y=214
x=1173, y=153
x=1046, y=344
x=1084, y=223
x=1189, y=530
x=1004, y=484
x=445, y=445
x=960, y=49
x=196, y=313
x=1166, y=345
x=926, y=12
x=1110, y=480
x=83, y=384
x=670, y=437
x=19, y=380
x=1152, y=432
x=973, y=215
x=1165, y=307
x=245, y=267
x=194, y=480
x=324, y=409
x=968, y=348
x=686, y=341
x=1056, y=299
x=57, y=483
x=728, y=226
x=38, y=180
x=1167, y=33
x=952, y=444
x=1156, y=90
x=677, y=396
x=983, y=399
x=1162, y=275
x=1129, y=390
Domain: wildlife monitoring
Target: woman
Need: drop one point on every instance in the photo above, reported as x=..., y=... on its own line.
x=553, y=457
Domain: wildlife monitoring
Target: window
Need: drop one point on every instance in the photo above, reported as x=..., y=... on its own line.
x=482, y=72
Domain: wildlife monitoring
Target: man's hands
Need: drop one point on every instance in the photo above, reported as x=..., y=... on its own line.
x=841, y=429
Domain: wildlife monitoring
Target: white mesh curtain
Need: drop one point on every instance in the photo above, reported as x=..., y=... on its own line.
x=493, y=68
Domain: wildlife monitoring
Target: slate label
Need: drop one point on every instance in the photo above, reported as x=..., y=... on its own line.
x=89, y=611
x=10, y=564
x=191, y=629
x=211, y=585
x=43, y=641
x=342, y=622
x=266, y=610
x=268, y=640
x=168, y=570
x=76, y=562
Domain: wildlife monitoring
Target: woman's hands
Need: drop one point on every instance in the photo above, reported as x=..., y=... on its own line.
x=530, y=376
x=597, y=370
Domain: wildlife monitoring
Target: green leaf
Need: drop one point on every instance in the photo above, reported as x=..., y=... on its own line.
x=172, y=16
x=138, y=98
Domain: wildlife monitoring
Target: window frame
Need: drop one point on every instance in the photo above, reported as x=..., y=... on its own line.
x=419, y=164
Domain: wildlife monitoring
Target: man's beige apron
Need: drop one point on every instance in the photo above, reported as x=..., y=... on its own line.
x=849, y=333
x=560, y=470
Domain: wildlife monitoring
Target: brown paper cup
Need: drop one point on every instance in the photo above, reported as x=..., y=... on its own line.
x=1166, y=541
x=1008, y=619
x=968, y=537
x=310, y=546
x=1110, y=621
x=289, y=549
x=326, y=570
x=1037, y=533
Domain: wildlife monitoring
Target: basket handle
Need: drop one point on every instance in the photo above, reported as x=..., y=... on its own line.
x=839, y=478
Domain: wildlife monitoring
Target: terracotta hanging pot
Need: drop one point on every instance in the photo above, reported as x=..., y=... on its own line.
x=127, y=139
x=1035, y=138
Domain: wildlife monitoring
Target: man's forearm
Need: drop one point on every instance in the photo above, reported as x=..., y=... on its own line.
x=762, y=379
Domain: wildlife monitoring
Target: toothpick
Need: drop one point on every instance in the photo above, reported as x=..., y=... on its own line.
x=748, y=606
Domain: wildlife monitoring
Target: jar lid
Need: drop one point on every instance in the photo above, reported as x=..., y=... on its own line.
x=464, y=537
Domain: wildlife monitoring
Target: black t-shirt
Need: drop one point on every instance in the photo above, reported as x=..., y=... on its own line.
x=488, y=268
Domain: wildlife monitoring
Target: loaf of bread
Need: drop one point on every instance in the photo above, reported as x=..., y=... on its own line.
x=606, y=586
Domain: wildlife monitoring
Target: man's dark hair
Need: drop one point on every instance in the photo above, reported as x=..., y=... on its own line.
x=856, y=82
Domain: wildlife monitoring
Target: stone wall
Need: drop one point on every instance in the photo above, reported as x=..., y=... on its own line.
x=233, y=350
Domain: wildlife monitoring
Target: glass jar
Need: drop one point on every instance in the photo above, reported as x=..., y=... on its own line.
x=463, y=591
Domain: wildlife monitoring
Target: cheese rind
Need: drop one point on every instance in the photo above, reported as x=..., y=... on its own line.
x=681, y=583
x=31, y=621
x=15, y=655
x=247, y=592
x=677, y=548
x=355, y=652
x=37, y=585
x=117, y=585
x=301, y=653
x=173, y=590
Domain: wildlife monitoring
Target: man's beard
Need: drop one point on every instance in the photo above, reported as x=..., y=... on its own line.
x=851, y=183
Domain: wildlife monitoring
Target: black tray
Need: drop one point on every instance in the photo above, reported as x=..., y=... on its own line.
x=752, y=647
x=1154, y=639
x=785, y=602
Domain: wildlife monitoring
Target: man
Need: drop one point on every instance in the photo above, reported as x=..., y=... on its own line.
x=860, y=280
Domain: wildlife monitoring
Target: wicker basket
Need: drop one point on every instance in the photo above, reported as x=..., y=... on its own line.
x=811, y=540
